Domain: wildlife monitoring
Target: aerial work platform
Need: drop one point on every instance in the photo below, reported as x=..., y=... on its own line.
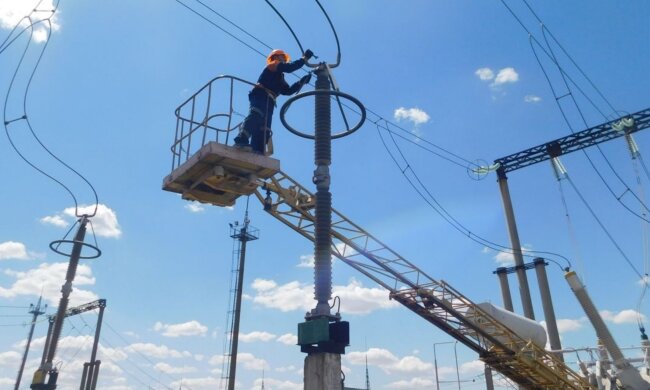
x=219, y=174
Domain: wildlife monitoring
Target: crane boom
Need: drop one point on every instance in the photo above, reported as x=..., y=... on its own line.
x=437, y=302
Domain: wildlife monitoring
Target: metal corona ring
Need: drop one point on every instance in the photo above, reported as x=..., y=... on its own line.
x=351, y=98
x=54, y=245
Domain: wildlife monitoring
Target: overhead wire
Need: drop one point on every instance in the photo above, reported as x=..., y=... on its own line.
x=566, y=78
x=6, y=43
x=286, y=24
x=589, y=159
x=25, y=116
x=141, y=355
x=428, y=197
x=602, y=226
x=441, y=152
x=220, y=28
x=129, y=373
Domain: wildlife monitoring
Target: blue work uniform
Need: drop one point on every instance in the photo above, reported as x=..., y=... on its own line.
x=262, y=97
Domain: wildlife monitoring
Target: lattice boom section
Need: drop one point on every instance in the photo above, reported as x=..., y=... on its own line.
x=294, y=206
x=520, y=360
x=437, y=302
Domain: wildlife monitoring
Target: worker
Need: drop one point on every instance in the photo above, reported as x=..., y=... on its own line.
x=270, y=84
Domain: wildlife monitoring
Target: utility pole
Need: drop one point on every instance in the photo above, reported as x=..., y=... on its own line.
x=243, y=235
x=91, y=369
x=35, y=311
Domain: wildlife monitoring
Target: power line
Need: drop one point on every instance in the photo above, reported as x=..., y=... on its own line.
x=141, y=355
x=440, y=151
x=567, y=80
x=24, y=117
x=419, y=187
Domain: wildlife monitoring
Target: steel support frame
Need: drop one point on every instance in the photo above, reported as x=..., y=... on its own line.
x=580, y=140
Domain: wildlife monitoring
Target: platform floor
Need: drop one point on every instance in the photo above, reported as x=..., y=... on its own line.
x=218, y=174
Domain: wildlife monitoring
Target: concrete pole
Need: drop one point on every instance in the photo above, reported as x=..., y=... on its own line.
x=84, y=377
x=547, y=305
x=435, y=366
x=627, y=374
x=502, y=273
x=93, y=368
x=36, y=311
x=47, y=339
x=321, y=372
x=456, y=358
x=234, y=337
x=489, y=384
x=524, y=290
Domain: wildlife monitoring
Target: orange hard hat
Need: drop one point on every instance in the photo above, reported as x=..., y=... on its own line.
x=277, y=52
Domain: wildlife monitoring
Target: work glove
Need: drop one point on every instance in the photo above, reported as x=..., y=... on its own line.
x=305, y=79
x=308, y=54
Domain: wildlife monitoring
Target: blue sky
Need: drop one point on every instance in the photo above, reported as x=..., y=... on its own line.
x=459, y=74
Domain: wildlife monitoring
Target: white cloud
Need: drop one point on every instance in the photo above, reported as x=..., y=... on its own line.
x=9, y=357
x=12, y=11
x=532, y=99
x=48, y=278
x=413, y=383
x=104, y=223
x=55, y=220
x=390, y=363
x=506, y=75
x=169, y=369
x=627, y=316
x=190, y=328
x=195, y=208
x=263, y=285
x=256, y=337
x=484, y=74
x=277, y=384
x=289, y=368
x=568, y=325
x=288, y=339
x=157, y=351
x=505, y=259
x=471, y=368
x=13, y=250
x=415, y=115
x=250, y=362
x=355, y=299
x=287, y=297
x=216, y=360
x=195, y=383
x=306, y=261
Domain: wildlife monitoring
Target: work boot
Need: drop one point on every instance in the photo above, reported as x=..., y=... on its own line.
x=241, y=142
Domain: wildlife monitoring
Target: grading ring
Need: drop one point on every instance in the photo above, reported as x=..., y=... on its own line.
x=351, y=98
x=54, y=245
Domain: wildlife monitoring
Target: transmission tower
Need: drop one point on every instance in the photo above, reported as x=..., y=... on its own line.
x=242, y=234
